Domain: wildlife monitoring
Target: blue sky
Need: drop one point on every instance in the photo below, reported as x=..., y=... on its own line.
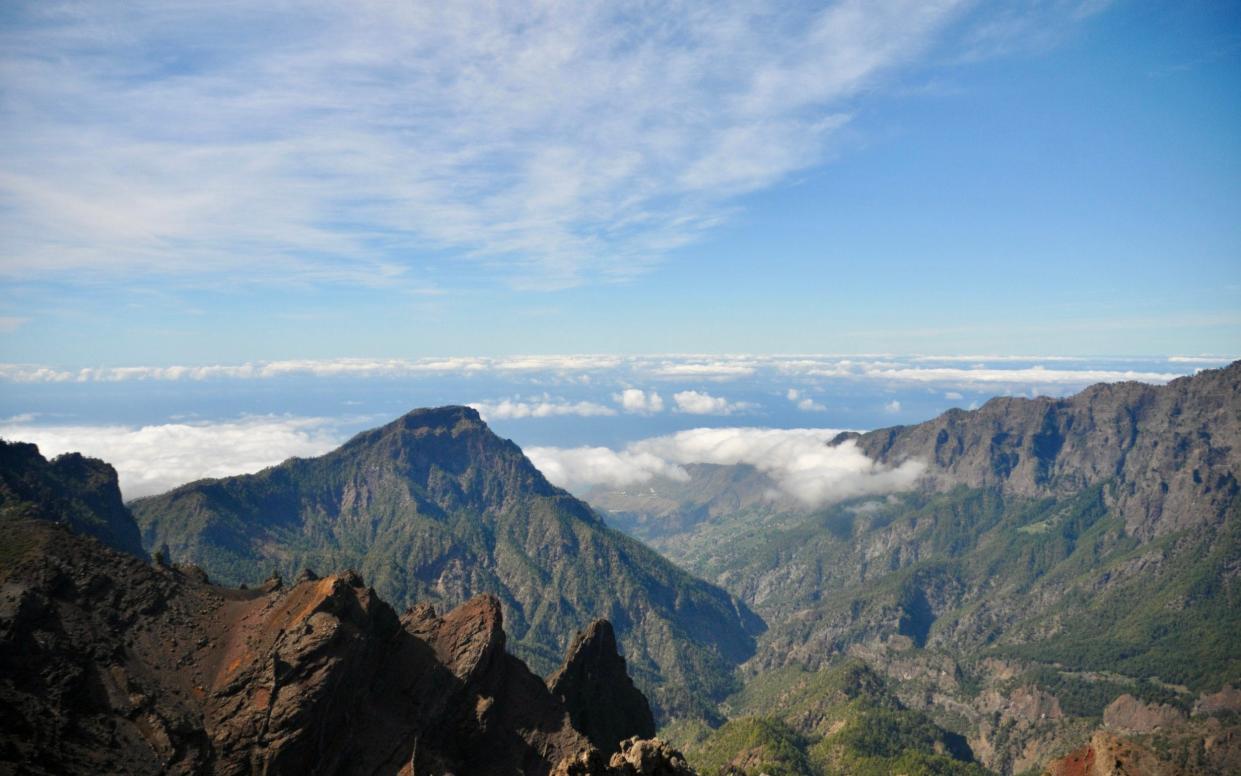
x=231, y=232
x=192, y=183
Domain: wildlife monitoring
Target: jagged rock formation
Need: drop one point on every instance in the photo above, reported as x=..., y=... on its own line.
x=595, y=687
x=81, y=492
x=109, y=664
x=436, y=507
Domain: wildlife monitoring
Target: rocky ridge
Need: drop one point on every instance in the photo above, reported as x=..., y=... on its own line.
x=72, y=489
x=111, y=664
x=1170, y=449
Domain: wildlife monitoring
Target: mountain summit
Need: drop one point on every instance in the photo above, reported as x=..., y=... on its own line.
x=434, y=506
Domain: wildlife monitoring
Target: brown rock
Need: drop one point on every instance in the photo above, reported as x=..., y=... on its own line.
x=1111, y=755
x=1227, y=698
x=1130, y=715
x=636, y=757
x=596, y=689
x=109, y=664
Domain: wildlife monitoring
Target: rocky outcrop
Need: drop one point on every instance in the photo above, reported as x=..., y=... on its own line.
x=1111, y=755
x=595, y=687
x=636, y=758
x=72, y=489
x=1130, y=715
x=109, y=664
x=1170, y=448
x=1227, y=698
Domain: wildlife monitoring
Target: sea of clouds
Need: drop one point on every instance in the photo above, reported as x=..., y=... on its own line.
x=585, y=420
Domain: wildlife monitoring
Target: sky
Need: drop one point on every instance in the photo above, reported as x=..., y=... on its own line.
x=233, y=222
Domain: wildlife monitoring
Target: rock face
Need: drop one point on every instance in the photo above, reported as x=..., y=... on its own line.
x=1130, y=715
x=1110, y=755
x=1170, y=448
x=78, y=491
x=595, y=687
x=109, y=664
x=436, y=507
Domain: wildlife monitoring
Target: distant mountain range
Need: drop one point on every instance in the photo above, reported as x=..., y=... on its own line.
x=435, y=507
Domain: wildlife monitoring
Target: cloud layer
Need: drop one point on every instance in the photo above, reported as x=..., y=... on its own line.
x=990, y=372
x=799, y=461
x=153, y=459
x=508, y=409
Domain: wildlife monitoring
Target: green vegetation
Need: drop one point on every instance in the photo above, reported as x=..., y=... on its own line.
x=753, y=745
x=841, y=720
x=1178, y=623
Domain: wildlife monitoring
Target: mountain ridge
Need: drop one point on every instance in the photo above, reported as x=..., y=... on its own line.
x=434, y=506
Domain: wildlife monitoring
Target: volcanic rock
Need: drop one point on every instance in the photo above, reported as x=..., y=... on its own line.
x=109, y=664
x=595, y=687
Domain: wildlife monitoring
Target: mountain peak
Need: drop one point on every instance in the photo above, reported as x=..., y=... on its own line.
x=595, y=687
x=447, y=416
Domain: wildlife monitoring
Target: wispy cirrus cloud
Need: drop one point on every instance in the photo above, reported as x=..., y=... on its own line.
x=363, y=142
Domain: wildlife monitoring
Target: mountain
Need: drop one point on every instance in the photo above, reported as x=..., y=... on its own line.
x=436, y=507
x=109, y=664
x=1169, y=453
x=80, y=492
x=1057, y=554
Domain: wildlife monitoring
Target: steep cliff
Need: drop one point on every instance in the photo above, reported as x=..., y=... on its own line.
x=72, y=489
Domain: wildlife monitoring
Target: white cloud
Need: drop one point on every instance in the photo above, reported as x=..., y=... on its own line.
x=804, y=403
x=891, y=369
x=639, y=401
x=153, y=459
x=1036, y=375
x=799, y=461
x=1206, y=360
x=335, y=139
x=508, y=409
x=715, y=370
x=586, y=466
x=953, y=395
x=698, y=403
x=892, y=407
